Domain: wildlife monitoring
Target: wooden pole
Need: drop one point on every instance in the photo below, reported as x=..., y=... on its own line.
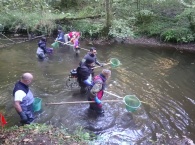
x=113, y=94
x=71, y=45
x=100, y=66
x=78, y=102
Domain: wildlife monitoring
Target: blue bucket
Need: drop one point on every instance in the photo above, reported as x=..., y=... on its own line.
x=37, y=104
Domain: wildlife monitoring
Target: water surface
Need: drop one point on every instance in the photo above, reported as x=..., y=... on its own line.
x=162, y=78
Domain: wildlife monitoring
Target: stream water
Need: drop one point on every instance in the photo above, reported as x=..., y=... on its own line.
x=162, y=78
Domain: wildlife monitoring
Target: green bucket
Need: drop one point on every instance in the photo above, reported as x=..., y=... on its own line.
x=37, y=104
x=114, y=62
x=55, y=45
x=132, y=103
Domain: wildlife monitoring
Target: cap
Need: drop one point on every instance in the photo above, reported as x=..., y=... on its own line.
x=89, y=60
x=92, y=48
x=59, y=28
x=43, y=38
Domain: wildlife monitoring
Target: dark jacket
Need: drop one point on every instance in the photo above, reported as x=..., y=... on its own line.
x=83, y=72
x=42, y=45
x=89, y=55
x=60, y=37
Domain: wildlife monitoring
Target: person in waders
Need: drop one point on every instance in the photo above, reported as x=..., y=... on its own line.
x=84, y=74
x=23, y=99
x=97, y=91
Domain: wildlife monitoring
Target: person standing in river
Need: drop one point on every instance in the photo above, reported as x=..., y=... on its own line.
x=92, y=54
x=84, y=74
x=60, y=37
x=97, y=91
x=23, y=99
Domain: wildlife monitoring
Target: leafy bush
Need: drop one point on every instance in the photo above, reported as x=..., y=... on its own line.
x=144, y=16
x=121, y=29
x=156, y=27
x=41, y=22
x=178, y=34
x=88, y=28
x=189, y=14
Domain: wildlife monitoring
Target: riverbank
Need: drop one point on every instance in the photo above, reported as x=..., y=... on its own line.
x=41, y=134
x=190, y=47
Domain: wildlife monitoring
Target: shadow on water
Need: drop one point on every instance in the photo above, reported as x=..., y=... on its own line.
x=164, y=79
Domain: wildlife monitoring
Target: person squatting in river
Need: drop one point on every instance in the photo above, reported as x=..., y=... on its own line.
x=23, y=99
x=97, y=91
x=42, y=50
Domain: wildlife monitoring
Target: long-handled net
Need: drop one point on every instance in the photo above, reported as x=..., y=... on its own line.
x=55, y=44
x=132, y=103
x=114, y=62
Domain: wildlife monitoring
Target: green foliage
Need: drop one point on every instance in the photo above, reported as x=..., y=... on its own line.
x=144, y=16
x=178, y=34
x=80, y=135
x=156, y=27
x=88, y=28
x=121, y=29
x=189, y=14
x=34, y=15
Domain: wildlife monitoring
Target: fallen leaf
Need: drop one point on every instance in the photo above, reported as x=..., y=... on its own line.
x=27, y=140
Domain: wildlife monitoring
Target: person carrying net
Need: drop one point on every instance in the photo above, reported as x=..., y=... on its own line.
x=97, y=91
x=92, y=54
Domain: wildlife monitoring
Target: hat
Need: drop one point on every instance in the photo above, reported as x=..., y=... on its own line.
x=89, y=60
x=60, y=28
x=92, y=48
x=43, y=38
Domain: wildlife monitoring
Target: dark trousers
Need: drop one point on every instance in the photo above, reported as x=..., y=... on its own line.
x=29, y=113
x=96, y=107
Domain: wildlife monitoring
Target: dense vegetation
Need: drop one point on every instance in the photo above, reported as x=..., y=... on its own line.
x=169, y=21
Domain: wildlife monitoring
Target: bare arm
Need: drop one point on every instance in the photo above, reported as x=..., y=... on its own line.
x=17, y=106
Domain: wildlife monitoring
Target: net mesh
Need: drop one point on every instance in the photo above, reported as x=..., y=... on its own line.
x=131, y=102
x=55, y=45
x=114, y=62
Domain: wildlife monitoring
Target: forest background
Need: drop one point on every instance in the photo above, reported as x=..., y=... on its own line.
x=165, y=20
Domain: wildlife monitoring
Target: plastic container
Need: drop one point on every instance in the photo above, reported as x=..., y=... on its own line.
x=132, y=103
x=37, y=104
x=114, y=62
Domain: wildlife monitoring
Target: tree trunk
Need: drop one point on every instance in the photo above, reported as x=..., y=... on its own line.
x=108, y=8
x=108, y=13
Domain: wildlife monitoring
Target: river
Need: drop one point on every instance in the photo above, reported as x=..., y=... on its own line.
x=162, y=78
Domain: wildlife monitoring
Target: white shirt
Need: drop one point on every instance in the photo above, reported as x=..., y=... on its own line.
x=19, y=95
